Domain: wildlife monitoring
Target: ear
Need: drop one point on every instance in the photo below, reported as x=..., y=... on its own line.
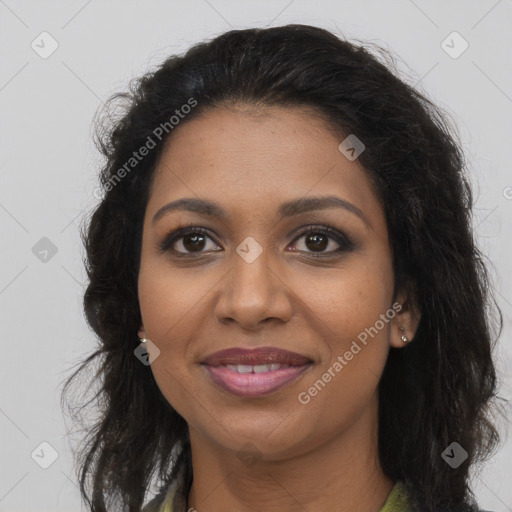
x=141, y=333
x=406, y=321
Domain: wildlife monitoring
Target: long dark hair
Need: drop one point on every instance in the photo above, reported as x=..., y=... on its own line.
x=435, y=391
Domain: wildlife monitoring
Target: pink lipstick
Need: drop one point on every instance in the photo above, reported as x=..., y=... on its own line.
x=256, y=372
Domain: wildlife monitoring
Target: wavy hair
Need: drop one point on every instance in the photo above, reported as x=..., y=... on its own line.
x=437, y=390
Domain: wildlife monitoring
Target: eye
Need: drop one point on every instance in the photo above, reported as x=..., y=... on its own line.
x=192, y=239
x=317, y=239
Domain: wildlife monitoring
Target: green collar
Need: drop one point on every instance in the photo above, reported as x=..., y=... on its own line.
x=397, y=500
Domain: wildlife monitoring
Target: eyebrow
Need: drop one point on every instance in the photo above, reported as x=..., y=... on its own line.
x=288, y=209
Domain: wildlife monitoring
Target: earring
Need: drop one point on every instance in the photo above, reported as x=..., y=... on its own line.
x=143, y=340
x=404, y=337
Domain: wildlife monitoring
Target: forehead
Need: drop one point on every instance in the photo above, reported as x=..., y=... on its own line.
x=251, y=161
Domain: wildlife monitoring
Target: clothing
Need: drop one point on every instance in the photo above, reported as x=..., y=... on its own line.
x=174, y=500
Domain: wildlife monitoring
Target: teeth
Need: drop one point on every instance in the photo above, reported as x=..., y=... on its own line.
x=243, y=368
x=258, y=368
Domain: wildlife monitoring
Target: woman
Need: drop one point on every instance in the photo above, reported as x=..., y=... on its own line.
x=291, y=306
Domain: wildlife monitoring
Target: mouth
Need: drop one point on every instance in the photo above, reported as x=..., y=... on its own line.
x=256, y=372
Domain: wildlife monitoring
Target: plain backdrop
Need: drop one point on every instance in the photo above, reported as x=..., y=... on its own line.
x=49, y=166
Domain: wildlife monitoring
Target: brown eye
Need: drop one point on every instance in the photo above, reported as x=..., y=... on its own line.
x=194, y=242
x=319, y=239
x=316, y=242
x=187, y=241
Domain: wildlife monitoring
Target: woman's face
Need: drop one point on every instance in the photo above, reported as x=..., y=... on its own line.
x=254, y=278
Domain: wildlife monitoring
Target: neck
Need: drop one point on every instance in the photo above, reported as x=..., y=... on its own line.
x=342, y=473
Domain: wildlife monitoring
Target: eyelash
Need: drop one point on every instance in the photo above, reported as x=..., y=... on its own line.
x=345, y=242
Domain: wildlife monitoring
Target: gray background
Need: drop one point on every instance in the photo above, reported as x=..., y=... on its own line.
x=48, y=173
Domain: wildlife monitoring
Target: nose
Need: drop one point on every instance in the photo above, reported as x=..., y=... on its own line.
x=253, y=294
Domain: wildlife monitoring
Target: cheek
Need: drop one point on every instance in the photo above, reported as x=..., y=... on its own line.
x=166, y=298
x=174, y=304
x=347, y=300
x=167, y=305
x=357, y=344
x=347, y=306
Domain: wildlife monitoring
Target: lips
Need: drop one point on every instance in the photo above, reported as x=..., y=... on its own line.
x=257, y=372
x=255, y=357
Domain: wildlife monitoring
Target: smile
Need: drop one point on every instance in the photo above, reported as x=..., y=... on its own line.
x=255, y=381
x=255, y=372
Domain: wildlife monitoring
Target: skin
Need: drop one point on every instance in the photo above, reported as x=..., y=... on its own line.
x=316, y=456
